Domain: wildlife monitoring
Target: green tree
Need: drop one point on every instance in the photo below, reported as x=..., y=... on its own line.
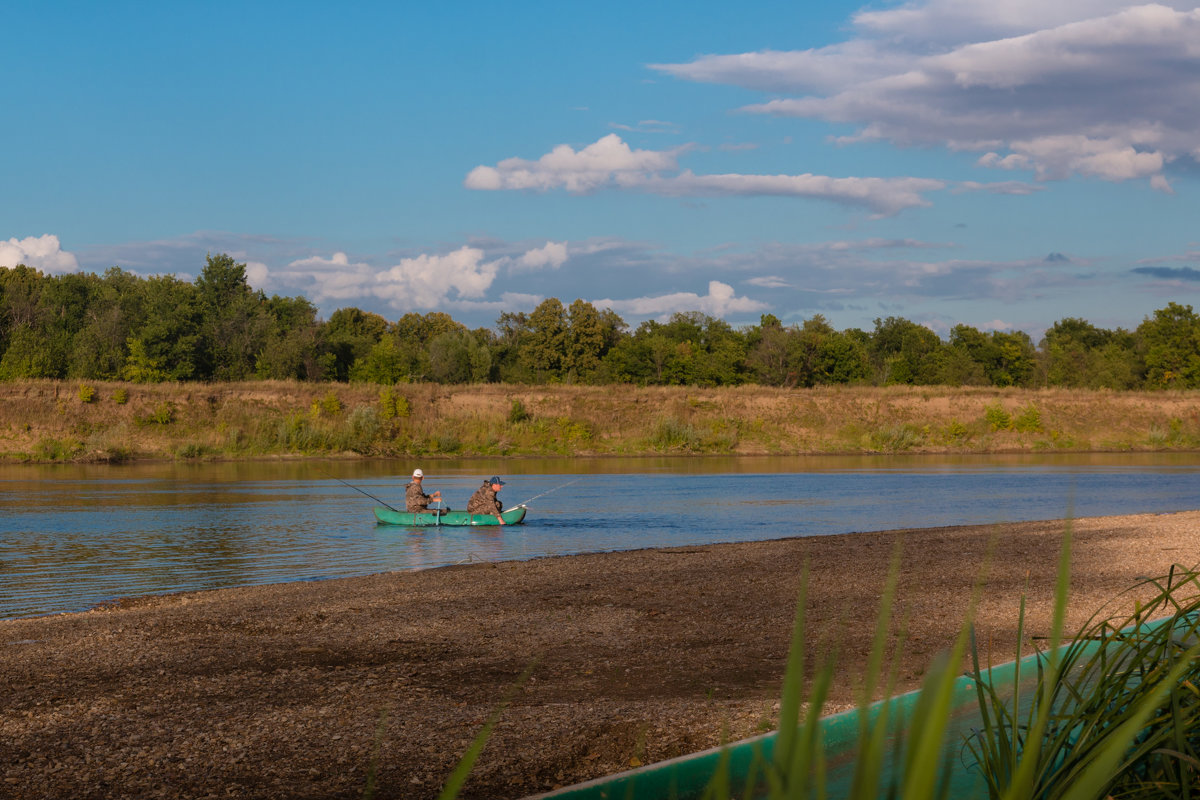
x=99, y=348
x=545, y=345
x=1170, y=341
x=235, y=322
x=293, y=344
x=170, y=332
x=590, y=335
x=769, y=352
x=383, y=364
x=904, y=352
x=349, y=335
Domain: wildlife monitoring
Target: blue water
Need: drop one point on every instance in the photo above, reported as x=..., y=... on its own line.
x=73, y=537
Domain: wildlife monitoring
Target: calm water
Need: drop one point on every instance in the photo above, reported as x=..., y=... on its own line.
x=72, y=537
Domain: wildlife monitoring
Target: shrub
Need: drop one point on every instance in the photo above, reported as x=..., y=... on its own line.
x=1029, y=420
x=329, y=405
x=447, y=442
x=997, y=418
x=163, y=414
x=392, y=404
x=895, y=439
x=120, y=397
x=517, y=412
x=87, y=394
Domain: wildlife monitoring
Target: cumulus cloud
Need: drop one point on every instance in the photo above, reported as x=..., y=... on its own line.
x=720, y=301
x=43, y=253
x=1077, y=87
x=553, y=255
x=605, y=162
x=611, y=163
x=459, y=278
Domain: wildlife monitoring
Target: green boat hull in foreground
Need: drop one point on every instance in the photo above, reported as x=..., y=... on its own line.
x=451, y=519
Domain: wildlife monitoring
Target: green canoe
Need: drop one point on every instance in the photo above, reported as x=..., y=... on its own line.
x=454, y=519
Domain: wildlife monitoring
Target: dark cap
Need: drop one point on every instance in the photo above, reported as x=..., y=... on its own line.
x=495, y=479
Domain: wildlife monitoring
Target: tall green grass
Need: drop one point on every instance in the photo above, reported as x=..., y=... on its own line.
x=1114, y=713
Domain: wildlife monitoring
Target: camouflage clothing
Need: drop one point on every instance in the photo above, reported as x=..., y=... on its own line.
x=484, y=501
x=415, y=499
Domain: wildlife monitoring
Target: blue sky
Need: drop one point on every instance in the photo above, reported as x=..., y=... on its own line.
x=1003, y=164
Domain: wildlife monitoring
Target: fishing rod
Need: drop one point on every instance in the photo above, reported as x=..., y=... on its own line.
x=360, y=491
x=555, y=489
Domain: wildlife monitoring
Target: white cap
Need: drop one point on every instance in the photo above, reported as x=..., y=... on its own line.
x=418, y=474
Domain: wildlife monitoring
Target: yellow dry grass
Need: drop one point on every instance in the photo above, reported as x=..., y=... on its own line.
x=50, y=420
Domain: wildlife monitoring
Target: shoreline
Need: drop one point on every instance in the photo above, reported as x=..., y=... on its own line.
x=280, y=690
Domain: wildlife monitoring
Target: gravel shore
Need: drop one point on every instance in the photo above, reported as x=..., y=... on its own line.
x=292, y=690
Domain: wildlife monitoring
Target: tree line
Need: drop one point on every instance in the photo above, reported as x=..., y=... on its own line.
x=119, y=326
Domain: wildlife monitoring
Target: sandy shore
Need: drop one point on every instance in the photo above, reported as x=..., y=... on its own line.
x=283, y=691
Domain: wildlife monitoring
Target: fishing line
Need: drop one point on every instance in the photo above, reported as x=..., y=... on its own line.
x=555, y=489
x=360, y=491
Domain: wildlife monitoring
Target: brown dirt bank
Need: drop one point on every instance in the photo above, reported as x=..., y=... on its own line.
x=278, y=691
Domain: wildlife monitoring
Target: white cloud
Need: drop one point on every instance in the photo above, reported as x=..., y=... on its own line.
x=610, y=163
x=257, y=274
x=1076, y=87
x=769, y=282
x=604, y=162
x=42, y=253
x=459, y=278
x=552, y=255
x=720, y=301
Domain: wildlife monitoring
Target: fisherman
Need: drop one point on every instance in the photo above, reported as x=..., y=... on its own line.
x=484, y=501
x=417, y=502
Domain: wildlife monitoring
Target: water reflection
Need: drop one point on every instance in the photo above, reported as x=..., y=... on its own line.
x=74, y=536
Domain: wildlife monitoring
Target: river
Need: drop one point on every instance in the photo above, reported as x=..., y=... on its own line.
x=72, y=537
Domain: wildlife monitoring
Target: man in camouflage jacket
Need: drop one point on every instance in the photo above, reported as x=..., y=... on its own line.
x=415, y=499
x=484, y=501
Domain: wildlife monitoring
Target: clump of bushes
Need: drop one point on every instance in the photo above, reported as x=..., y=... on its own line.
x=87, y=394
x=329, y=405
x=517, y=412
x=163, y=414
x=997, y=418
x=392, y=404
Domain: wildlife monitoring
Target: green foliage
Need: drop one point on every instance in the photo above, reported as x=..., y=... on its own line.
x=163, y=414
x=81, y=326
x=896, y=439
x=447, y=442
x=120, y=396
x=392, y=404
x=1171, y=343
x=997, y=418
x=1114, y=713
x=383, y=364
x=330, y=405
x=517, y=412
x=87, y=394
x=957, y=431
x=192, y=452
x=1028, y=421
x=51, y=449
x=140, y=367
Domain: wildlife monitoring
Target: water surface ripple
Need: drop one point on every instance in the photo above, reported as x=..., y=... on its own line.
x=73, y=537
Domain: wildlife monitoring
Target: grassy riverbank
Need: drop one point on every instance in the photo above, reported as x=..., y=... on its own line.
x=111, y=422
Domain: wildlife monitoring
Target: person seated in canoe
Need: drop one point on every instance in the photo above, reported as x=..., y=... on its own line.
x=416, y=501
x=484, y=501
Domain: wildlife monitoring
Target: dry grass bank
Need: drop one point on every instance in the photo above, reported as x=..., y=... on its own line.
x=59, y=420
